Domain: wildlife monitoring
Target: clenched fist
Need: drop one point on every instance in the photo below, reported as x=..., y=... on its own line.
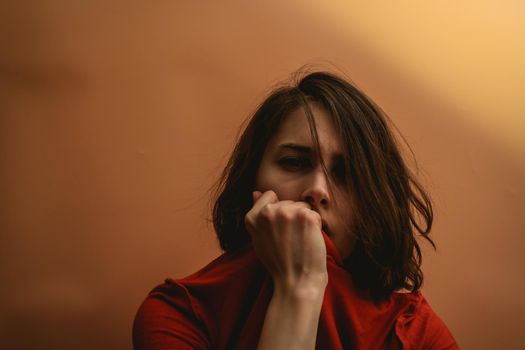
x=287, y=238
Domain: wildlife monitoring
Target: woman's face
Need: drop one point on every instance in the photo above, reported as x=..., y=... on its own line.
x=291, y=167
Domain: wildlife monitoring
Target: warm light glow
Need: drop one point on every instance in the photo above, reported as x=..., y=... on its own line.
x=470, y=53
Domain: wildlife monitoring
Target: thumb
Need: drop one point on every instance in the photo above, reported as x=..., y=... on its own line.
x=256, y=195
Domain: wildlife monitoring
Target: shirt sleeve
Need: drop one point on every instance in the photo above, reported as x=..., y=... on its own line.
x=166, y=320
x=423, y=329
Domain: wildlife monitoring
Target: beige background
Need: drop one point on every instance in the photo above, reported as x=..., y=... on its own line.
x=115, y=117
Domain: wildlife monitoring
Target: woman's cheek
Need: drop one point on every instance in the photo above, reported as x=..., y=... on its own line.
x=286, y=189
x=281, y=184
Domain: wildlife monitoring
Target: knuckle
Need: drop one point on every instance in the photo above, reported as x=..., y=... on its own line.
x=311, y=217
x=266, y=211
x=272, y=194
x=284, y=214
x=303, y=213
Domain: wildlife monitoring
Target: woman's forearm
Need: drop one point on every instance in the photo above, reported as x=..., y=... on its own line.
x=292, y=318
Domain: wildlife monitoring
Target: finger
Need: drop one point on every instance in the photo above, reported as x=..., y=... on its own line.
x=295, y=204
x=302, y=204
x=266, y=198
x=256, y=195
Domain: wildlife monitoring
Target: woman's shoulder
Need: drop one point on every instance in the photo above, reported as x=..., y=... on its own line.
x=419, y=326
x=229, y=270
x=190, y=308
x=225, y=267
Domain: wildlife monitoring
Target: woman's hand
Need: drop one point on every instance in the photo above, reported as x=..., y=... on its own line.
x=286, y=236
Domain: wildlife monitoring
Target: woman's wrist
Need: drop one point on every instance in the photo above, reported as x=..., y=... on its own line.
x=292, y=316
x=309, y=289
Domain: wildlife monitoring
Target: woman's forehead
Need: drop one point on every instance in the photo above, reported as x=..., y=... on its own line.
x=295, y=130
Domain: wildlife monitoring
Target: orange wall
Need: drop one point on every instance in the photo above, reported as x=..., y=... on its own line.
x=115, y=117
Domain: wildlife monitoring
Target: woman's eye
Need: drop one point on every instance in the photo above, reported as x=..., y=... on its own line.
x=339, y=172
x=294, y=163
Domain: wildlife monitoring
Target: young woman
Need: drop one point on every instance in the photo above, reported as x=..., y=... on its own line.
x=318, y=216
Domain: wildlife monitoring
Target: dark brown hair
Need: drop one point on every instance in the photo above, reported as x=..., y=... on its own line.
x=390, y=206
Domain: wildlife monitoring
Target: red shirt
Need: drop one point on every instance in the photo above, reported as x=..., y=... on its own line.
x=223, y=306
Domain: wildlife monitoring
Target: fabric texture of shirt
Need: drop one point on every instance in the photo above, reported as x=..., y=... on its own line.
x=223, y=306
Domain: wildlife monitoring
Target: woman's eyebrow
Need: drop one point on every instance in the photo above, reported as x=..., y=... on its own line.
x=296, y=147
x=307, y=150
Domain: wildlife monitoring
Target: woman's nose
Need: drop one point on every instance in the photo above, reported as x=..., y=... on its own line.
x=316, y=192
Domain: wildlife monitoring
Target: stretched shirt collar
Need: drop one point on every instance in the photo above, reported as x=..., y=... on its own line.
x=331, y=250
